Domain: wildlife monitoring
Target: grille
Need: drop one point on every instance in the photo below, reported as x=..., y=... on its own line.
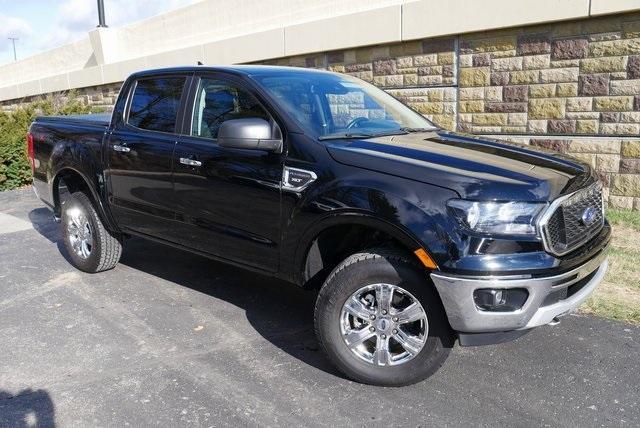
x=565, y=228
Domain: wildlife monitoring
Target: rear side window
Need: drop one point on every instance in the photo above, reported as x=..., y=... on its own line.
x=155, y=103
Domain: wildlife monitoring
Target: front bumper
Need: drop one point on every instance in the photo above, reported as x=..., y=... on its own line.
x=456, y=293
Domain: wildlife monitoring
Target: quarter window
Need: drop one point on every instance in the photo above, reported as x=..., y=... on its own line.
x=218, y=101
x=155, y=103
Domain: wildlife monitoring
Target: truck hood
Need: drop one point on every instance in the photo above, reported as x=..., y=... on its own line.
x=475, y=168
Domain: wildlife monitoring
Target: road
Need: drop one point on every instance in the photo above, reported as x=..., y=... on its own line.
x=170, y=338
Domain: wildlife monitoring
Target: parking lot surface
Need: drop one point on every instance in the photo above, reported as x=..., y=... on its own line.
x=170, y=338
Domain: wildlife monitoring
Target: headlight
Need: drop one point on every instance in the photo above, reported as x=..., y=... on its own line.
x=497, y=218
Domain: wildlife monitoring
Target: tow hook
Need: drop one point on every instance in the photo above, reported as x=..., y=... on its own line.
x=555, y=321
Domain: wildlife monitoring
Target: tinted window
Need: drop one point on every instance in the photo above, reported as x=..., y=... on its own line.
x=155, y=103
x=217, y=101
x=327, y=104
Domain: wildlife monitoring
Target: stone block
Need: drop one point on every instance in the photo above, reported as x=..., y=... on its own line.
x=536, y=62
x=404, y=62
x=428, y=108
x=633, y=67
x=499, y=79
x=609, y=117
x=629, y=166
x=384, y=67
x=471, y=93
x=481, y=60
x=593, y=84
x=603, y=65
x=570, y=48
x=490, y=119
x=626, y=185
x=588, y=158
x=493, y=93
x=517, y=119
x=430, y=80
x=562, y=126
x=425, y=60
x=608, y=163
x=621, y=202
x=625, y=87
x=474, y=77
x=466, y=60
x=549, y=108
x=471, y=106
x=613, y=103
x=630, y=117
x=595, y=146
x=615, y=47
x=560, y=146
x=587, y=126
x=488, y=44
x=494, y=107
x=507, y=64
x=559, y=75
x=445, y=58
x=525, y=77
x=542, y=91
x=515, y=93
x=579, y=104
x=631, y=149
x=636, y=103
x=537, y=126
x=534, y=44
x=567, y=90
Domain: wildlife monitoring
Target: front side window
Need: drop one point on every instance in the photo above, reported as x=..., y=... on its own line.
x=218, y=101
x=155, y=103
x=331, y=105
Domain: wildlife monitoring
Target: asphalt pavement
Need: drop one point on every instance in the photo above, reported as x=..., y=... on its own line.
x=170, y=338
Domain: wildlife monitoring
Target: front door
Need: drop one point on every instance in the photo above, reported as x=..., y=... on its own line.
x=227, y=201
x=140, y=155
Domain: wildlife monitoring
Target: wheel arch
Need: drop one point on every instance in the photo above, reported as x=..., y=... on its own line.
x=75, y=180
x=332, y=239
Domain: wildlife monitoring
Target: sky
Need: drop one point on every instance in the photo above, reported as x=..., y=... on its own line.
x=45, y=24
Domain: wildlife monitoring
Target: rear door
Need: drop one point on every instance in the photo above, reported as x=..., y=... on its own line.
x=227, y=201
x=139, y=155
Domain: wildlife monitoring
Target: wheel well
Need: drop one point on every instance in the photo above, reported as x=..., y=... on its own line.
x=338, y=242
x=69, y=181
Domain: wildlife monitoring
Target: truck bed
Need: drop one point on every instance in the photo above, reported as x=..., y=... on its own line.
x=81, y=119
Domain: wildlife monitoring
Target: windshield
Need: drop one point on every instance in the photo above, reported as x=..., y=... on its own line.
x=340, y=106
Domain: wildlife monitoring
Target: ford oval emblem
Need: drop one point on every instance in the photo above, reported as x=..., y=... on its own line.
x=588, y=216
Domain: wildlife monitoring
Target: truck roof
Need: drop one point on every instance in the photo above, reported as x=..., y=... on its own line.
x=248, y=70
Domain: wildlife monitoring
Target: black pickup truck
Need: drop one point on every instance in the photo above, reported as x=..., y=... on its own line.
x=412, y=236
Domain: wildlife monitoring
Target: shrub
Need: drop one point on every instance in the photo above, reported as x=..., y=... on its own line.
x=14, y=165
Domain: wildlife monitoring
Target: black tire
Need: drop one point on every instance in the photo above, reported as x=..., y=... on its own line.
x=390, y=266
x=106, y=246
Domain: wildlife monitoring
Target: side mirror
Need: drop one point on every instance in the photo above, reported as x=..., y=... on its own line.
x=250, y=133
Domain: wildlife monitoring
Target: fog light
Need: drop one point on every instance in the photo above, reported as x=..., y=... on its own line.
x=500, y=300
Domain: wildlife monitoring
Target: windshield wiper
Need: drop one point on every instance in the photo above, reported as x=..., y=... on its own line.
x=349, y=135
x=407, y=129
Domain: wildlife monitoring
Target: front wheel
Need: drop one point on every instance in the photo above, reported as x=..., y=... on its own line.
x=380, y=320
x=91, y=247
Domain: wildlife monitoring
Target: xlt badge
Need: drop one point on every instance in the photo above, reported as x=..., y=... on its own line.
x=296, y=180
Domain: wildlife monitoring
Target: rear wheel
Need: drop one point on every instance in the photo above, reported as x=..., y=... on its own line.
x=380, y=320
x=91, y=247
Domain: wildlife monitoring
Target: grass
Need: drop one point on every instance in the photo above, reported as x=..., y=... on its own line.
x=618, y=297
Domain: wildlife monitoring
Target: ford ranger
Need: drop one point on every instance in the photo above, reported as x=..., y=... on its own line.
x=413, y=237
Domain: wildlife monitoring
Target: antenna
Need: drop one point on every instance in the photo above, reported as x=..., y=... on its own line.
x=13, y=40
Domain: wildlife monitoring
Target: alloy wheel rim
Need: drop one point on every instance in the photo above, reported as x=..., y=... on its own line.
x=80, y=233
x=384, y=325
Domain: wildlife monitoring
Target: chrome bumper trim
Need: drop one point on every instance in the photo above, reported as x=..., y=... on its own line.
x=457, y=297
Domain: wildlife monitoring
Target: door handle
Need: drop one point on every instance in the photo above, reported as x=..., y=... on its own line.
x=122, y=149
x=190, y=162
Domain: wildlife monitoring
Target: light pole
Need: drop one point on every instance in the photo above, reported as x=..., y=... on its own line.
x=13, y=40
x=101, y=19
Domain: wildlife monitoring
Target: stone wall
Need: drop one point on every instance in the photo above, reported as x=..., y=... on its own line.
x=570, y=86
